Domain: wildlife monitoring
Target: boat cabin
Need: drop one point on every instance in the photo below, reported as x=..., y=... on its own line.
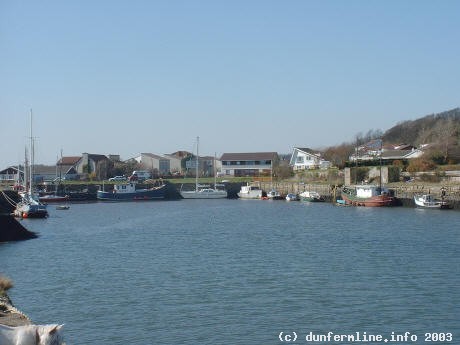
x=368, y=191
x=124, y=188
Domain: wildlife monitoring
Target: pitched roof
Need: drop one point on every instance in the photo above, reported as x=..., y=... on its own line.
x=307, y=150
x=248, y=156
x=152, y=155
x=70, y=160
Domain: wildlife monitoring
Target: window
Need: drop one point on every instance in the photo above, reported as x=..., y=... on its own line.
x=299, y=159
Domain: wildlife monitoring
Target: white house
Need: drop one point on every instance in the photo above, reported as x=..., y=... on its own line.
x=248, y=164
x=304, y=159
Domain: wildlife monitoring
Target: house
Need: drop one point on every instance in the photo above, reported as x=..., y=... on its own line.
x=248, y=164
x=305, y=159
x=374, y=150
x=206, y=165
x=12, y=174
x=159, y=164
x=66, y=167
x=42, y=173
x=93, y=164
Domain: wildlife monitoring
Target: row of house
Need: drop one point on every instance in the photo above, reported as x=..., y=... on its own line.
x=229, y=164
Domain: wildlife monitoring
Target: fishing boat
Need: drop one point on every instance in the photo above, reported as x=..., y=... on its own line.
x=129, y=192
x=250, y=192
x=311, y=196
x=203, y=192
x=367, y=195
x=429, y=201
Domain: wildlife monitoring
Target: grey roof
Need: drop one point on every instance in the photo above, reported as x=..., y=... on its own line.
x=248, y=156
x=395, y=153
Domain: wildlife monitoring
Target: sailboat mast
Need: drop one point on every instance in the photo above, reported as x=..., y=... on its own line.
x=381, y=149
x=31, y=167
x=196, y=172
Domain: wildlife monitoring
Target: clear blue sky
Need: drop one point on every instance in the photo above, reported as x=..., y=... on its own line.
x=124, y=77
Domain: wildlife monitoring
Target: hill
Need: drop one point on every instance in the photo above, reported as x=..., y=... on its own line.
x=438, y=133
x=428, y=129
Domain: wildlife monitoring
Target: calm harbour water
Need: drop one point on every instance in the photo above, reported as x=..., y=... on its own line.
x=237, y=271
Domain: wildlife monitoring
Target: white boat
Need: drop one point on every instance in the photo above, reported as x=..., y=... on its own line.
x=291, y=197
x=311, y=196
x=250, y=192
x=274, y=195
x=29, y=206
x=429, y=201
x=203, y=192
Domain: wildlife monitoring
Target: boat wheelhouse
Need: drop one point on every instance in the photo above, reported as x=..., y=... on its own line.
x=129, y=192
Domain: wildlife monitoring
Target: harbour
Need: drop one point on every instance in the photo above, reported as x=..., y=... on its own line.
x=236, y=271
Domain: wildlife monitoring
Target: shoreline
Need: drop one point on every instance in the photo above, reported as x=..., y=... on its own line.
x=9, y=314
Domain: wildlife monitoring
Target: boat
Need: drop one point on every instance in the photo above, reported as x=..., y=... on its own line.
x=250, y=192
x=203, y=192
x=291, y=197
x=62, y=207
x=429, y=201
x=29, y=206
x=129, y=192
x=274, y=195
x=311, y=196
x=367, y=195
x=53, y=198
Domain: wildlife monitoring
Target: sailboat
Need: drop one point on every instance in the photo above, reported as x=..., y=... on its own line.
x=29, y=207
x=54, y=197
x=203, y=193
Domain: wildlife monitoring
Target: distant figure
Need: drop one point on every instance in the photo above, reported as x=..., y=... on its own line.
x=31, y=335
x=443, y=192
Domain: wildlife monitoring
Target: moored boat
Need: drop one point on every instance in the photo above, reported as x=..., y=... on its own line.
x=250, y=192
x=52, y=198
x=291, y=197
x=429, y=201
x=28, y=207
x=129, y=192
x=274, y=195
x=311, y=196
x=62, y=207
x=204, y=193
x=367, y=195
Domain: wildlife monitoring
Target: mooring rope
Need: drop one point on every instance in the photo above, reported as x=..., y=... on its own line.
x=9, y=200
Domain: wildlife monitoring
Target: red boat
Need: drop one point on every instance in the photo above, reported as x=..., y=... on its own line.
x=367, y=195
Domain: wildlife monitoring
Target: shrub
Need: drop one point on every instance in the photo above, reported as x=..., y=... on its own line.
x=5, y=284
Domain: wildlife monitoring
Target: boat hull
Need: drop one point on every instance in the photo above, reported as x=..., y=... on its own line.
x=431, y=204
x=139, y=195
x=250, y=195
x=53, y=198
x=31, y=211
x=373, y=201
x=204, y=194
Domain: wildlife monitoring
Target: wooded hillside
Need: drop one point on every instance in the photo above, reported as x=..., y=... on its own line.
x=440, y=132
